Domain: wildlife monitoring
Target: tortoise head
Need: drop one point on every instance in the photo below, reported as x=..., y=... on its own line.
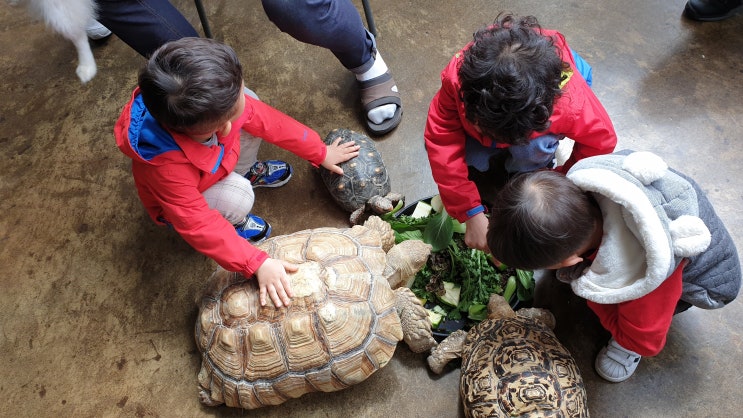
x=404, y=260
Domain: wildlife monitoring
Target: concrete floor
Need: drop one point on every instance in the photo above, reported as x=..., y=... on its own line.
x=98, y=303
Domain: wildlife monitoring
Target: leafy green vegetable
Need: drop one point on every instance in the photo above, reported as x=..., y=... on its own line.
x=525, y=288
x=436, y=316
x=451, y=294
x=452, y=265
x=459, y=228
x=510, y=288
x=404, y=236
x=406, y=227
x=422, y=209
x=439, y=310
x=439, y=231
x=477, y=312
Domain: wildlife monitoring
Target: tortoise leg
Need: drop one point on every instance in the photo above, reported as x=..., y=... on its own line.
x=447, y=350
x=404, y=260
x=416, y=327
x=356, y=215
x=206, y=398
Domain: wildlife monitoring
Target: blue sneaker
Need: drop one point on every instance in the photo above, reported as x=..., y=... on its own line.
x=269, y=173
x=254, y=229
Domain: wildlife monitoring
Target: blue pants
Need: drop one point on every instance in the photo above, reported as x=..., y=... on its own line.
x=144, y=25
x=537, y=153
x=333, y=24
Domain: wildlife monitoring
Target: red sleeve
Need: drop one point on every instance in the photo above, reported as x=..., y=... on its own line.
x=174, y=188
x=284, y=131
x=587, y=123
x=579, y=115
x=445, y=141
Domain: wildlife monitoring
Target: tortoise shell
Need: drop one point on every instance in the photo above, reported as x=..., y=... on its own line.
x=341, y=327
x=363, y=177
x=515, y=366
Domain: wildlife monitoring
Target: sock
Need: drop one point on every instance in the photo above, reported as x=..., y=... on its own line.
x=381, y=113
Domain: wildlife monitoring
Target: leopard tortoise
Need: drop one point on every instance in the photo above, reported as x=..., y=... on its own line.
x=343, y=324
x=513, y=365
x=365, y=184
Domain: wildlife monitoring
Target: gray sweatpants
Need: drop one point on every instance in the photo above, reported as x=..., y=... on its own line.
x=233, y=196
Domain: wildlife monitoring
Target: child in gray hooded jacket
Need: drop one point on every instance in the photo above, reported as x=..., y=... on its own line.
x=638, y=240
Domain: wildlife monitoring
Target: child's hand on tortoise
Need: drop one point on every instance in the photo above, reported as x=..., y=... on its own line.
x=274, y=282
x=338, y=153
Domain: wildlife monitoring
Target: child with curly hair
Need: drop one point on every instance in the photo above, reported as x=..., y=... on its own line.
x=510, y=95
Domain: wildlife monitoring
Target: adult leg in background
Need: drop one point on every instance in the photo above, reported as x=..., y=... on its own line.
x=144, y=25
x=337, y=26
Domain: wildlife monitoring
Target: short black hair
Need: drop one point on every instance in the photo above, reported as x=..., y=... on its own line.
x=191, y=84
x=539, y=219
x=510, y=78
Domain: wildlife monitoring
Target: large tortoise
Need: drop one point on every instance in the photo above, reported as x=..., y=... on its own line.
x=513, y=365
x=364, y=184
x=343, y=324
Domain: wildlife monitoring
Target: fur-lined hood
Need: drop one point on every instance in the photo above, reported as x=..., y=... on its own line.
x=651, y=222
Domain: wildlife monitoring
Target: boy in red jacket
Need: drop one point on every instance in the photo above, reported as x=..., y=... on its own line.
x=182, y=130
x=511, y=94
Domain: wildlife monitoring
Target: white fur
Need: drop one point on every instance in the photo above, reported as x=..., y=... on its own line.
x=645, y=166
x=68, y=18
x=690, y=236
x=600, y=284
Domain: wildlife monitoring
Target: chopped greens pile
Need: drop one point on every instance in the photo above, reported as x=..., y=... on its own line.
x=457, y=281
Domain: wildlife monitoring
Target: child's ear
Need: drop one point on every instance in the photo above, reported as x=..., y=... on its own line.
x=225, y=129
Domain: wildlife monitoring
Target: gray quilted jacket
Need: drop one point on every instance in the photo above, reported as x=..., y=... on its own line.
x=653, y=218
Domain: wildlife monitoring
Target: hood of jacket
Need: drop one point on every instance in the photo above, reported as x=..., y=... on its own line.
x=651, y=222
x=144, y=140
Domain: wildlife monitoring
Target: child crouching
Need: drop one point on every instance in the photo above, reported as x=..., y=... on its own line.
x=638, y=240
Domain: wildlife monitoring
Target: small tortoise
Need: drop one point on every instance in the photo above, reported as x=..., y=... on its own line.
x=364, y=184
x=343, y=324
x=513, y=365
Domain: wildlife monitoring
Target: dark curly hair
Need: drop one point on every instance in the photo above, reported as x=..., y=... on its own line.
x=510, y=78
x=191, y=84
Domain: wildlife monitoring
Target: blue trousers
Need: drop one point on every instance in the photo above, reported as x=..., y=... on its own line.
x=333, y=24
x=144, y=25
x=537, y=153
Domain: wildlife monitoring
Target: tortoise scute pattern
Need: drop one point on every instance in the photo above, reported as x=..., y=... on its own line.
x=517, y=367
x=341, y=327
x=363, y=177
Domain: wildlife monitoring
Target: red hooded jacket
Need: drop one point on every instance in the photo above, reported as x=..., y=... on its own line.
x=172, y=170
x=577, y=114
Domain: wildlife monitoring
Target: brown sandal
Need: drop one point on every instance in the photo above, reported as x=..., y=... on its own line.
x=380, y=91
